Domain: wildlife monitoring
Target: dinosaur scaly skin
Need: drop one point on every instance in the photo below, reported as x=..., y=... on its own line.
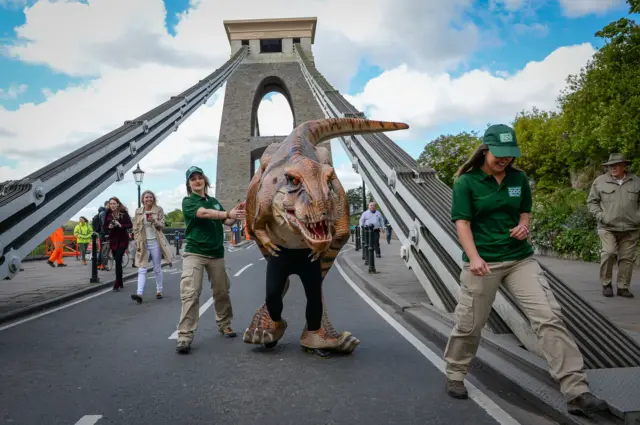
x=295, y=200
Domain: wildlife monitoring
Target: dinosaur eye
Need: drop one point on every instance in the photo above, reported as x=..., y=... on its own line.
x=294, y=181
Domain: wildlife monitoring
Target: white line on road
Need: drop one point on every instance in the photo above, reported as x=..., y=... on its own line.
x=243, y=269
x=89, y=420
x=203, y=308
x=496, y=412
x=19, y=322
x=44, y=313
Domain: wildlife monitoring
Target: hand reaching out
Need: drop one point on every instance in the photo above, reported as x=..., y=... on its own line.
x=238, y=212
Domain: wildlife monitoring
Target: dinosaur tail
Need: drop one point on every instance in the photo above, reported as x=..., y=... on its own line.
x=320, y=130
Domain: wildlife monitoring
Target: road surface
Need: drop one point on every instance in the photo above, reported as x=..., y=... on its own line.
x=108, y=360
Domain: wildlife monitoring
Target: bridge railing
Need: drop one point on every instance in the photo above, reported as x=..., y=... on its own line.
x=31, y=208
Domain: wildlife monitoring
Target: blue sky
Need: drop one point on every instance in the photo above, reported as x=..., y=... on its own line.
x=508, y=41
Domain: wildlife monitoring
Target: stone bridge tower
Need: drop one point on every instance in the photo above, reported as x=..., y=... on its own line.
x=270, y=66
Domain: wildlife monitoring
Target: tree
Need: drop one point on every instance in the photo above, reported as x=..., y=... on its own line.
x=174, y=217
x=634, y=6
x=354, y=196
x=544, y=148
x=601, y=105
x=447, y=153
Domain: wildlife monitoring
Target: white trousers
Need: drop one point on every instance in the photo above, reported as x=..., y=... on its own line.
x=153, y=249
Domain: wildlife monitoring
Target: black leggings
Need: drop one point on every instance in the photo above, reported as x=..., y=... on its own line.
x=295, y=261
x=117, y=256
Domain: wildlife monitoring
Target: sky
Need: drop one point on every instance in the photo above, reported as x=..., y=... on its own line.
x=73, y=70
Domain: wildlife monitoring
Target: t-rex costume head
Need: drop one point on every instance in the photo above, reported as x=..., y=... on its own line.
x=295, y=200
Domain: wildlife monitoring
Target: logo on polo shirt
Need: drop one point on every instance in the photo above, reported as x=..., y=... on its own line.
x=506, y=138
x=217, y=206
x=514, y=192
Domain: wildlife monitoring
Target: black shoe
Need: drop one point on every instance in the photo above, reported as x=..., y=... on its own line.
x=456, y=389
x=607, y=291
x=585, y=404
x=136, y=298
x=50, y=263
x=183, y=347
x=624, y=292
x=62, y=265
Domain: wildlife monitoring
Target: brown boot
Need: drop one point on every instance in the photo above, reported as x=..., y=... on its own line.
x=585, y=404
x=456, y=389
x=624, y=292
x=607, y=291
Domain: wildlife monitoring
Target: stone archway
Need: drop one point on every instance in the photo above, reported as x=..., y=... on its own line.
x=238, y=146
x=270, y=84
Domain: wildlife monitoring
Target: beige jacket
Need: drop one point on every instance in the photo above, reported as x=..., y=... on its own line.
x=616, y=207
x=140, y=236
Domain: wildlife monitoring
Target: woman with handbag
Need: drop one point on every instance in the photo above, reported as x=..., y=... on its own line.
x=150, y=240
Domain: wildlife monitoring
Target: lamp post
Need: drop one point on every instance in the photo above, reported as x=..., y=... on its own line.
x=138, y=176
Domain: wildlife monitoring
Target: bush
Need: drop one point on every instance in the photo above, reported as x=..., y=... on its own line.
x=561, y=222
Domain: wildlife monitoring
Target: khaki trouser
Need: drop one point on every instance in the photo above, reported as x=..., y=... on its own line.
x=193, y=267
x=524, y=279
x=622, y=245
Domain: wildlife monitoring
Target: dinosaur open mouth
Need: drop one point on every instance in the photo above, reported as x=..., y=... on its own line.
x=318, y=231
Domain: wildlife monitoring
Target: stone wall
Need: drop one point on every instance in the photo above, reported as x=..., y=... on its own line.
x=235, y=141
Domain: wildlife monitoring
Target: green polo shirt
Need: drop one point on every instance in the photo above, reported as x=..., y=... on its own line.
x=204, y=236
x=493, y=210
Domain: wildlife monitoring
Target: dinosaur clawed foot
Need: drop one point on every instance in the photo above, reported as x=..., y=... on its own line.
x=323, y=343
x=263, y=330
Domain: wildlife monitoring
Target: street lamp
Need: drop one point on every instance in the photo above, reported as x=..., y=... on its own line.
x=138, y=175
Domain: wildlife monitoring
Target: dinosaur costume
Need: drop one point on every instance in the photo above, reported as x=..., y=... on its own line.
x=296, y=204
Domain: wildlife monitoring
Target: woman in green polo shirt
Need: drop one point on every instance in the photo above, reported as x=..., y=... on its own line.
x=491, y=209
x=204, y=216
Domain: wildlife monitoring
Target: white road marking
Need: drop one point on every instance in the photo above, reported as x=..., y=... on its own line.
x=44, y=313
x=203, y=308
x=495, y=411
x=262, y=259
x=62, y=307
x=243, y=269
x=89, y=420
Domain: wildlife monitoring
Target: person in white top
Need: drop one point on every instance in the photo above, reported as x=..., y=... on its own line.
x=150, y=240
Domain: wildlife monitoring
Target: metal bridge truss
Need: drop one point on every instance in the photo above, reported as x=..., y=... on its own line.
x=416, y=202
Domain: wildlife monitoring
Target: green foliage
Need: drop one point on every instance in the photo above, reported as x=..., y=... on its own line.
x=634, y=6
x=601, y=106
x=543, y=144
x=561, y=222
x=447, y=153
x=354, y=196
x=174, y=218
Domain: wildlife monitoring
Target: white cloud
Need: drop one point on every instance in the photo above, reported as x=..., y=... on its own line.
x=13, y=91
x=348, y=177
x=477, y=96
x=577, y=8
x=537, y=29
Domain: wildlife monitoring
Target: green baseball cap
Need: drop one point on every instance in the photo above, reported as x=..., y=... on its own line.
x=194, y=169
x=502, y=141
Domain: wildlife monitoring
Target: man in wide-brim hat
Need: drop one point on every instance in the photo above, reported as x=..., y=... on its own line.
x=614, y=201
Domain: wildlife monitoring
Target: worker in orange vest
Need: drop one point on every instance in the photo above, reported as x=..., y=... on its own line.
x=57, y=237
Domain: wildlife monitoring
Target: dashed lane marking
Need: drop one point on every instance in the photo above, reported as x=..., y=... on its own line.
x=203, y=308
x=243, y=269
x=89, y=420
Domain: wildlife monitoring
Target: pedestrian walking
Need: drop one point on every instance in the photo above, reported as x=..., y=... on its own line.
x=116, y=222
x=57, y=238
x=373, y=217
x=148, y=223
x=614, y=200
x=491, y=209
x=204, y=250
x=83, y=232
